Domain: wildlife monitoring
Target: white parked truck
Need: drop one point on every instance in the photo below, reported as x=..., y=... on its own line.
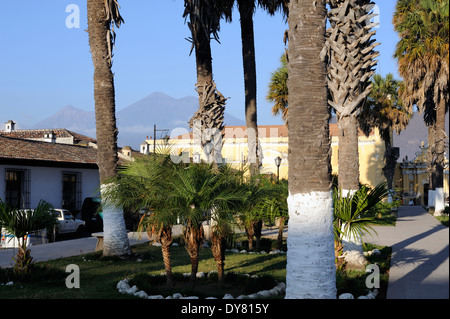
x=67, y=223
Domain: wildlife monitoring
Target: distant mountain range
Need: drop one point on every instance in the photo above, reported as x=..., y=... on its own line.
x=136, y=121
x=415, y=133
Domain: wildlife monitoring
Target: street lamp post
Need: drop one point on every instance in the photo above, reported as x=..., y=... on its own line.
x=278, y=163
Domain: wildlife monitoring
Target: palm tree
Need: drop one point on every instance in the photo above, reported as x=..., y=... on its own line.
x=310, y=269
x=199, y=192
x=102, y=16
x=142, y=186
x=208, y=122
x=384, y=110
x=246, y=11
x=423, y=54
x=223, y=217
x=350, y=57
x=274, y=206
x=278, y=90
x=250, y=212
x=23, y=222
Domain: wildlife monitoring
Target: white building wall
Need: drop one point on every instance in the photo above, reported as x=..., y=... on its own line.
x=46, y=183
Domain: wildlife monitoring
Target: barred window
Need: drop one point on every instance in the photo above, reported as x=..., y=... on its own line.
x=17, y=190
x=71, y=191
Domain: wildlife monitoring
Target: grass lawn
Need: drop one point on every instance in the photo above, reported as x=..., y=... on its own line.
x=99, y=275
x=443, y=219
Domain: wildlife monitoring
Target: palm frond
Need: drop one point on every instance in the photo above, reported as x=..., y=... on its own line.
x=113, y=18
x=353, y=214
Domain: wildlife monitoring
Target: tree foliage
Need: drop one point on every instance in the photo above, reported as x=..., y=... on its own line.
x=22, y=223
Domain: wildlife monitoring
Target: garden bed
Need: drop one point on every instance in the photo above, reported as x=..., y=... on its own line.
x=99, y=276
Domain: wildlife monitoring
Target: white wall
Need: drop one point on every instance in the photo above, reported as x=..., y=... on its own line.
x=46, y=183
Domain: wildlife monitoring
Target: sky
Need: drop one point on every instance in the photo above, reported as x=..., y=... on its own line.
x=45, y=62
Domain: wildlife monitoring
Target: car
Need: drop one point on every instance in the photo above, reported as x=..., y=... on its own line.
x=67, y=224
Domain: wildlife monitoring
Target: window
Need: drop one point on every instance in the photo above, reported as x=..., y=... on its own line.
x=71, y=191
x=17, y=192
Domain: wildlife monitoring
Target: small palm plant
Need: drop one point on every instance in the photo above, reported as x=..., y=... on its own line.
x=142, y=185
x=230, y=196
x=249, y=215
x=353, y=214
x=23, y=222
x=275, y=206
x=200, y=192
x=158, y=225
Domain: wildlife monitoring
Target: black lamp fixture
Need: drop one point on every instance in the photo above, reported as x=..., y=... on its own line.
x=278, y=163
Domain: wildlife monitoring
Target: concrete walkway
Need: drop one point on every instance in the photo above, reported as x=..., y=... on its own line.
x=61, y=249
x=420, y=255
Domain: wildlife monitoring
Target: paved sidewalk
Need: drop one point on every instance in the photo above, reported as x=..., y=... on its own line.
x=60, y=249
x=420, y=255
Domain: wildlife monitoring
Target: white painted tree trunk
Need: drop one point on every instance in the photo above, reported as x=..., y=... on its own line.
x=115, y=238
x=431, y=198
x=390, y=198
x=310, y=270
x=439, y=202
x=351, y=242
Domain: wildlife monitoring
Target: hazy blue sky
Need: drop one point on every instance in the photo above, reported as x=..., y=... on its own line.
x=44, y=65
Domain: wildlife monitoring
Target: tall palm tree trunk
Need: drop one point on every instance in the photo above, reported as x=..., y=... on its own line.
x=208, y=122
x=348, y=155
x=391, y=155
x=203, y=57
x=310, y=252
x=115, y=236
x=246, y=9
x=431, y=127
x=440, y=157
x=351, y=59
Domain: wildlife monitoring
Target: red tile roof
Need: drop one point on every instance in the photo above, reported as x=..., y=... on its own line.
x=13, y=149
x=39, y=133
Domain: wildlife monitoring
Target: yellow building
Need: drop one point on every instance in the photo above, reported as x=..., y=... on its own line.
x=274, y=142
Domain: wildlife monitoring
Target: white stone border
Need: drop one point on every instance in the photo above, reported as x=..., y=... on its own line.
x=272, y=252
x=370, y=295
x=124, y=288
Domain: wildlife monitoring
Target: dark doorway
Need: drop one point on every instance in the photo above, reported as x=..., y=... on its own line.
x=70, y=191
x=426, y=188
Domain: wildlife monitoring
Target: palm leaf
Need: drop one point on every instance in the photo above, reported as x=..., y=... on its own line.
x=353, y=213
